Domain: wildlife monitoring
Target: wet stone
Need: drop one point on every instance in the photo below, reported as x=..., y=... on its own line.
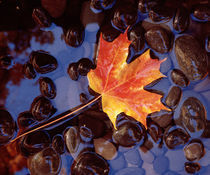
x=85, y=134
x=124, y=15
x=157, y=38
x=129, y=132
x=191, y=58
x=176, y=163
x=194, y=150
x=163, y=118
x=193, y=115
x=148, y=168
x=42, y=108
x=72, y=71
x=154, y=130
x=191, y=167
x=76, y=143
x=34, y=142
x=7, y=126
x=181, y=20
x=161, y=164
x=202, y=13
x=72, y=139
x=136, y=35
x=118, y=163
x=135, y=32
x=90, y=163
x=28, y=71
x=146, y=156
x=84, y=66
x=41, y=17
x=105, y=148
x=109, y=33
x=74, y=36
x=5, y=61
x=133, y=158
x=25, y=119
x=142, y=6
x=58, y=144
x=175, y=137
x=160, y=13
x=45, y=162
x=179, y=78
x=55, y=8
x=95, y=121
x=173, y=97
x=153, y=3
x=96, y=4
x=47, y=87
x=43, y=62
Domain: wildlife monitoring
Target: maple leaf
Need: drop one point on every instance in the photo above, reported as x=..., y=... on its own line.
x=121, y=84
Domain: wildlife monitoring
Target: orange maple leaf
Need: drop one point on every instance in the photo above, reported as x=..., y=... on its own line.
x=121, y=84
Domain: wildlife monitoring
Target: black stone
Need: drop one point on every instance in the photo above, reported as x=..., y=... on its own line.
x=42, y=108
x=90, y=163
x=58, y=144
x=202, y=13
x=194, y=150
x=47, y=161
x=109, y=33
x=74, y=36
x=163, y=118
x=193, y=115
x=175, y=137
x=173, y=97
x=41, y=17
x=7, y=126
x=73, y=72
x=47, y=87
x=179, y=78
x=28, y=71
x=43, y=62
x=84, y=66
x=192, y=167
x=191, y=57
x=129, y=132
x=157, y=38
x=34, y=143
x=25, y=119
x=5, y=61
x=181, y=20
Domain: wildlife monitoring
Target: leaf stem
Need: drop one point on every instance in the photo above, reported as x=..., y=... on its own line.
x=58, y=119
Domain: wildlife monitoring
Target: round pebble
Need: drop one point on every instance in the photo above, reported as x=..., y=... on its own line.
x=161, y=164
x=133, y=158
x=176, y=163
x=146, y=156
x=149, y=169
x=118, y=163
x=194, y=150
x=105, y=148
